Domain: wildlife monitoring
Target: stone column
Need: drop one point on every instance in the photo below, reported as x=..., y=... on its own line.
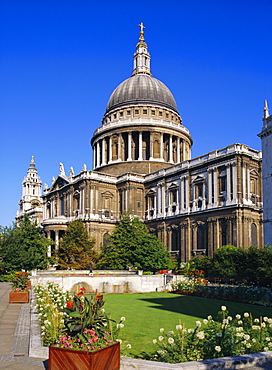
x=119, y=147
x=171, y=149
x=103, y=151
x=210, y=190
x=140, y=158
x=129, y=145
x=215, y=183
x=57, y=239
x=110, y=149
x=94, y=156
x=234, y=182
x=98, y=154
x=178, y=150
x=49, y=250
x=163, y=199
x=161, y=147
x=151, y=146
x=228, y=184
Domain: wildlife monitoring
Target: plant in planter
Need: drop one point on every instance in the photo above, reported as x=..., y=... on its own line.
x=20, y=288
x=89, y=337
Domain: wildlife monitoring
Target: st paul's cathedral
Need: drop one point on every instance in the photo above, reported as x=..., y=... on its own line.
x=142, y=164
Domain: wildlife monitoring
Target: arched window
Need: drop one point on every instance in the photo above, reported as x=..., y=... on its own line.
x=253, y=234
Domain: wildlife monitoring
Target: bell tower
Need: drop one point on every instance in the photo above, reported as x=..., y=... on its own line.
x=266, y=136
x=31, y=201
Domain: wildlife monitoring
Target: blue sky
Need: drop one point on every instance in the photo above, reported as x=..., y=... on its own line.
x=61, y=60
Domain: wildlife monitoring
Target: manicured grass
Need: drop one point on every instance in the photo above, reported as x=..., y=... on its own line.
x=146, y=313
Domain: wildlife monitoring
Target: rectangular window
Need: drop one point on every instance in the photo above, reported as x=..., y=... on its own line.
x=144, y=111
x=136, y=111
x=128, y=112
x=153, y=113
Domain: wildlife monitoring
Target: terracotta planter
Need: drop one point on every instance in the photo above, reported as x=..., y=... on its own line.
x=107, y=358
x=18, y=297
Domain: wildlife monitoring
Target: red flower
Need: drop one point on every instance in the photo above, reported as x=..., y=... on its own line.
x=69, y=304
x=80, y=293
x=83, y=289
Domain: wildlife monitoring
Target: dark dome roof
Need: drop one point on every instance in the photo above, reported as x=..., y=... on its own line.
x=142, y=89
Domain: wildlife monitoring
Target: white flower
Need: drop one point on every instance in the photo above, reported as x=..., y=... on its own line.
x=238, y=317
x=122, y=318
x=178, y=327
x=209, y=317
x=253, y=340
x=256, y=320
x=217, y=348
x=267, y=338
x=246, y=314
x=170, y=333
x=161, y=330
x=219, y=334
x=266, y=349
x=154, y=341
x=190, y=331
x=269, y=321
x=223, y=308
x=170, y=340
x=265, y=318
x=198, y=324
x=246, y=336
x=128, y=345
x=119, y=340
x=239, y=322
x=200, y=335
x=205, y=321
x=120, y=326
x=263, y=325
x=161, y=338
x=229, y=318
x=270, y=344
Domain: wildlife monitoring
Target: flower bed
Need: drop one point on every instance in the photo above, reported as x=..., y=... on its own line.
x=244, y=294
x=224, y=336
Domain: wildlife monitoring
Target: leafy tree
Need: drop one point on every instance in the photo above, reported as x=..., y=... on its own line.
x=76, y=249
x=132, y=245
x=22, y=246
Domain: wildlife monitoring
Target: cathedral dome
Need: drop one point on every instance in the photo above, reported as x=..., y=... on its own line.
x=142, y=89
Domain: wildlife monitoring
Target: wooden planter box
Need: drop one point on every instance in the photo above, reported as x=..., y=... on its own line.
x=18, y=297
x=107, y=358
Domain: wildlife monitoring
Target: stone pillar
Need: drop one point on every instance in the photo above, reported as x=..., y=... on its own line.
x=171, y=149
x=49, y=250
x=234, y=182
x=215, y=183
x=161, y=147
x=210, y=190
x=163, y=199
x=129, y=145
x=103, y=151
x=110, y=149
x=57, y=239
x=178, y=150
x=119, y=147
x=140, y=158
x=98, y=154
x=228, y=166
x=151, y=145
x=94, y=156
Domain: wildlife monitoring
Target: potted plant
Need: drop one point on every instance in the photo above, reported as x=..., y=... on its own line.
x=88, y=340
x=20, y=288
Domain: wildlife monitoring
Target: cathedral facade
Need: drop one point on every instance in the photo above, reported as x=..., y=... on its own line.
x=142, y=164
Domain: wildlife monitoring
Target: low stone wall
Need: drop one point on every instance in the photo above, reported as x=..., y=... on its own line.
x=115, y=282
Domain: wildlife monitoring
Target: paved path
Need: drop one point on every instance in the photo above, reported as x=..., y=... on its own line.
x=14, y=335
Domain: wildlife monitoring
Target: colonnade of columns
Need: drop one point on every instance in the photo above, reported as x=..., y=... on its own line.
x=140, y=145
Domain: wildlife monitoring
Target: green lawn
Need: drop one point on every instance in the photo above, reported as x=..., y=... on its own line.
x=146, y=313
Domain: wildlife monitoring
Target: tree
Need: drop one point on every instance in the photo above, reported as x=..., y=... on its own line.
x=76, y=248
x=22, y=246
x=132, y=245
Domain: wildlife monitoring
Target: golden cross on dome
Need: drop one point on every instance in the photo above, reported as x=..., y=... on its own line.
x=32, y=159
x=142, y=27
